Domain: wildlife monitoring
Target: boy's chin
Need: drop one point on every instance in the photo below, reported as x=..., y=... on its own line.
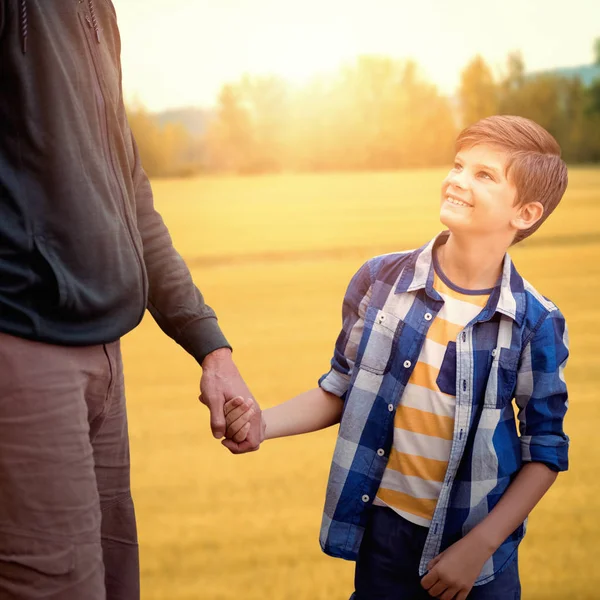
x=454, y=222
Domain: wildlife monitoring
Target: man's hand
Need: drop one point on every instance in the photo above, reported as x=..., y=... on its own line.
x=453, y=572
x=220, y=382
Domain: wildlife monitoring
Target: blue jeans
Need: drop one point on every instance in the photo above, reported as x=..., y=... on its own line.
x=387, y=567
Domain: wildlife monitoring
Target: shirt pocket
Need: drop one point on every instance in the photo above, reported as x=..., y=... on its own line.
x=446, y=380
x=502, y=380
x=382, y=330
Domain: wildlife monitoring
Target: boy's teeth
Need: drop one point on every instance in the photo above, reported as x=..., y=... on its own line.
x=457, y=202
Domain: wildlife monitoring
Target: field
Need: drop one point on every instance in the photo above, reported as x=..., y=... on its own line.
x=273, y=256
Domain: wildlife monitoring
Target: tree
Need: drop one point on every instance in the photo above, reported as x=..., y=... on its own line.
x=478, y=92
x=230, y=137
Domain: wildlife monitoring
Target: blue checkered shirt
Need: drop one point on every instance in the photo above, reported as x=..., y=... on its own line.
x=516, y=348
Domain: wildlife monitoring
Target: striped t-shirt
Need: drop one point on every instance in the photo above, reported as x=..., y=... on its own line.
x=424, y=420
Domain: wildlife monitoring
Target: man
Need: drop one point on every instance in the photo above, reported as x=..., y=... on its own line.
x=83, y=253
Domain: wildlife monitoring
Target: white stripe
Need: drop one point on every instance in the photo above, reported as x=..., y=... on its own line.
x=408, y=516
x=412, y=486
x=428, y=400
x=432, y=353
x=420, y=444
x=458, y=312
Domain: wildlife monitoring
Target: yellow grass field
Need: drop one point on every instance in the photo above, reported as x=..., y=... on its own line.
x=273, y=256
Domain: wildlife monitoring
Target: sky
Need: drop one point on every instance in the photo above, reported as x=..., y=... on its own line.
x=179, y=53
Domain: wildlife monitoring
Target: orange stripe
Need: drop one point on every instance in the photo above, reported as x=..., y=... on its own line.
x=418, y=466
x=425, y=375
x=422, y=507
x=426, y=423
x=442, y=331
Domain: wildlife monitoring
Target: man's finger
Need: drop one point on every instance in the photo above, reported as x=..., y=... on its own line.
x=462, y=595
x=232, y=446
x=242, y=448
x=217, y=418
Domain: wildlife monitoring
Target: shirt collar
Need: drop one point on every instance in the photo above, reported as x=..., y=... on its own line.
x=508, y=298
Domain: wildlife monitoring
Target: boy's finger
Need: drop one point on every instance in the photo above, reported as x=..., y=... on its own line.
x=449, y=594
x=434, y=561
x=233, y=428
x=438, y=589
x=241, y=435
x=232, y=404
x=237, y=413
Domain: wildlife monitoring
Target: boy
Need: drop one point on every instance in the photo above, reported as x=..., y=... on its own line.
x=431, y=485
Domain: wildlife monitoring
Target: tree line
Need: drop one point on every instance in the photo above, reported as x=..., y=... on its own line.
x=378, y=113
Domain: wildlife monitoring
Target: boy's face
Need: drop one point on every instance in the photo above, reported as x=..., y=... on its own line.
x=477, y=198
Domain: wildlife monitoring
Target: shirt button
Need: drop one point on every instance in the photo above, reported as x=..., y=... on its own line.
x=428, y=316
x=407, y=364
x=494, y=352
x=391, y=407
x=365, y=498
x=380, y=452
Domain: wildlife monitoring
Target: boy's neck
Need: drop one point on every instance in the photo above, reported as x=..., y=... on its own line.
x=470, y=263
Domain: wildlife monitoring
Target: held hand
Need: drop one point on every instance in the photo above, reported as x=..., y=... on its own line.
x=453, y=572
x=220, y=382
x=238, y=413
x=246, y=445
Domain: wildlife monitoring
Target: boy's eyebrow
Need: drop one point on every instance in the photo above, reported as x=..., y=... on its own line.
x=488, y=168
x=497, y=172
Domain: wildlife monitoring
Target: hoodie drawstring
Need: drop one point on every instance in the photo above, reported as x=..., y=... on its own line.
x=94, y=20
x=24, y=24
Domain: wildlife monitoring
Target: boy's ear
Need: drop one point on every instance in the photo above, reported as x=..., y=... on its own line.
x=529, y=214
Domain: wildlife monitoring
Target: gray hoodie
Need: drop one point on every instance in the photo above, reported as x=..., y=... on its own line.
x=83, y=252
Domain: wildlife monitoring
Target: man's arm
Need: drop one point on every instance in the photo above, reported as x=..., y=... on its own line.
x=180, y=311
x=541, y=395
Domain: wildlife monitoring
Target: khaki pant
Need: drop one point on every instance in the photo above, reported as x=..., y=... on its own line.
x=67, y=522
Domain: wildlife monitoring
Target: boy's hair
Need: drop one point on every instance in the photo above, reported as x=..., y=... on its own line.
x=534, y=164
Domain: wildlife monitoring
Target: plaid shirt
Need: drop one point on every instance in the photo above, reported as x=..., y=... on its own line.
x=517, y=347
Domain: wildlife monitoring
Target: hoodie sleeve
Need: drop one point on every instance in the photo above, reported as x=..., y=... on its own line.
x=176, y=304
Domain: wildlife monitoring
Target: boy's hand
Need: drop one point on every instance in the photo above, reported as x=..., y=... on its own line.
x=238, y=413
x=453, y=572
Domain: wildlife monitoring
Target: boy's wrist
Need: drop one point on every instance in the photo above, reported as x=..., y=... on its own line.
x=484, y=538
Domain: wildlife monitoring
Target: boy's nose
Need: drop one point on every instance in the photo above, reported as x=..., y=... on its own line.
x=458, y=180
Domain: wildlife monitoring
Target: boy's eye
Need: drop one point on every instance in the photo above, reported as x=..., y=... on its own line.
x=457, y=166
x=485, y=175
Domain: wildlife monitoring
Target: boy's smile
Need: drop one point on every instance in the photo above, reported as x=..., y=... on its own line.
x=477, y=196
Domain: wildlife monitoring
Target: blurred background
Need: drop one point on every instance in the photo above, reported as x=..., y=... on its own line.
x=288, y=143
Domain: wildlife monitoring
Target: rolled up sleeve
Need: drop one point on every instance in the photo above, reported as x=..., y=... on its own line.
x=541, y=394
x=337, y=380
